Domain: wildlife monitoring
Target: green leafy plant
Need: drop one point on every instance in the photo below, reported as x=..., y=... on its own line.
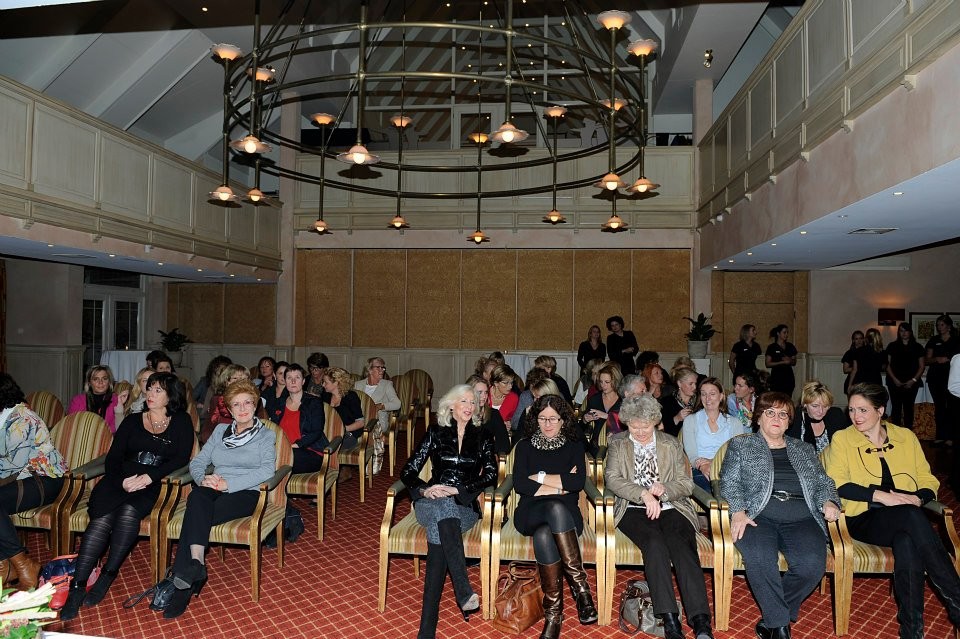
x=173, y=340
x=700, y=329
x=22, y=613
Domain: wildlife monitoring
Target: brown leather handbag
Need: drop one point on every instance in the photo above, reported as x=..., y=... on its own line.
x=520, y=602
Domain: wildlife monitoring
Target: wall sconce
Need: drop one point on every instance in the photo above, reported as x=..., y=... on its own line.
x=708, y=58
x=890, y=316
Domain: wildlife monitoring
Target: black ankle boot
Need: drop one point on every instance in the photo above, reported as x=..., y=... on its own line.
x=433, y=580
x=451, y=540
x=179, y=601
x=188, y=582
x=78, y=590
x=780, y=632
x=99, y=590
x=671, y=625
x=701, y=626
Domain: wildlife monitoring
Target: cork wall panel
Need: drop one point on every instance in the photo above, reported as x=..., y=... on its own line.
x=545, y=301
x=801, y=301
x=299, y=301
x=758, y=287
x=250, y=313
x=661, y=298
x=764, y=317
x=490, y=317
x=173, y=305
x=379, y=298
x=601, y=288
x=327, y=282
x=764, y=300
x=201, y=312
x=433, y=299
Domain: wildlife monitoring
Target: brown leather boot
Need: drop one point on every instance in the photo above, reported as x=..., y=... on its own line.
x=27, y=570
x=6, y=573
x=570, y=557
x=551, y=582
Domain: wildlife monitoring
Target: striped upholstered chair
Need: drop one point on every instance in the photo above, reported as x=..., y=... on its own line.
x=268, y=515
x=47, y=405
x=407, y=537
x=506, y=544
x=406, y=417
x=83, y=439
x=323, y=481
x=362, y=455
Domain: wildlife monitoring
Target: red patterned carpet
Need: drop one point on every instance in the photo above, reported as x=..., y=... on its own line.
x=329, y=589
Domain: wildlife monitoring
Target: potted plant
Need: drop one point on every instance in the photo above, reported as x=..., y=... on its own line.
x=698, y=337
x=172, y=342
x=23, y=613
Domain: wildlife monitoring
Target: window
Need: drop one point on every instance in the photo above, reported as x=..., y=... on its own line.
x=112, y=302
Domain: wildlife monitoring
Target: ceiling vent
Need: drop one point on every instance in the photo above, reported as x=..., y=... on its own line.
x=75, y=256
x=768, y=263
x=869, y=231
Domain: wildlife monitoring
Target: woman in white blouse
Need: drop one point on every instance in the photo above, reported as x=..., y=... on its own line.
x=383, y=394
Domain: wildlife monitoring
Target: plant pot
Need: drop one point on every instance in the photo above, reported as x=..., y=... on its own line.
x=697, y=349
x=176, y=357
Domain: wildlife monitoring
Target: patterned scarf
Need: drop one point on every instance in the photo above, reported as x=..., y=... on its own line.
x=234, y=440
x=541, y=442
x=646, y=471
x=744, y=414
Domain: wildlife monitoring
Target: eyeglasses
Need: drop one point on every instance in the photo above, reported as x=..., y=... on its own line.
x=553, y=421
x=383, y=368
x=771, y=413
x=247, y=403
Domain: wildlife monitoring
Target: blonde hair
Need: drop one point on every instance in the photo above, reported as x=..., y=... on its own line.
x=224, y=375
x=341, y=378
x=135, y=390
x=814, y=390
x=451, y=397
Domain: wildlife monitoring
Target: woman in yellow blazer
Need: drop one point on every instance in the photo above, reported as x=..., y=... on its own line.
x=883, y=479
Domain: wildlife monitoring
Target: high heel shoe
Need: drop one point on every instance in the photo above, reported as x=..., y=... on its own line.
x=195, y=578
x=471, y=606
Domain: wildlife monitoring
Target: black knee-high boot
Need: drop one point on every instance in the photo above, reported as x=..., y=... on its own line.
x=433, y=580
x=569, y=548
x=451, y=540
x=908, y=591
x=944, y=578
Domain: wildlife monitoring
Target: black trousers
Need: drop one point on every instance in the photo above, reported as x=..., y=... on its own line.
x=18, y=496
x=206, y=508
x=944, y=407
x=306, y=461
x=901, y=401
x=669, y=538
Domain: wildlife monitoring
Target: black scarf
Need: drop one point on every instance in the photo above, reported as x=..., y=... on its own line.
x=99, y=403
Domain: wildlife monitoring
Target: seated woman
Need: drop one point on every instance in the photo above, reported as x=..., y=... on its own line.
x=653, y=379
x=607, y=401
x=137, y=399
x=147, y=447
x=266, y=373
x=818, y=419
x=274, y=397
x=525, y=400
x=648, y=474
x=31, y=475
x=97, y=397
x=502, y=395
x=632, y=386
x=317, y=363
x=707, y=429
x=339, y=393
x=383, y=394
x=741, y=401
x=549, y=472
x=548, y=363
x=463, y=464
x=779, y=496
x=203, y=391
x=301, y=419
x=490, y=419
x=243, y=456
x=883, y=479
x=219, y=413
x=679, y=404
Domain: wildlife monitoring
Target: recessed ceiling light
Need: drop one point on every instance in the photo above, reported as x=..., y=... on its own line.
x=750, y=253
x=843, y=215
x=204, y=9
x=199, y=270
x=803, y=232
x=112, y=255
x=715, y=266
x=159, y=263
x=232, y=275
x=898, y=192
x=259, y=279
x=731, y=261
x=773, y=243
x=49, y=245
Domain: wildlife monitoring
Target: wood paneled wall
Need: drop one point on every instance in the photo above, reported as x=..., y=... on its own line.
x=761, y=299
x=486, y=300
x=223, y=313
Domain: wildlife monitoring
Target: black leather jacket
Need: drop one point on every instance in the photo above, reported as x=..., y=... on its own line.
x=470, y=471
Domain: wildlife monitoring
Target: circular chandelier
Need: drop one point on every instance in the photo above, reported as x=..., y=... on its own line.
x=491, y=58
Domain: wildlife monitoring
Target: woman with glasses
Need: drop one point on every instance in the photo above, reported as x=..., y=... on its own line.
x=463, y=465
x=549, y=472
x=818, y=419
x=502, y=396
x=301, y=419
x=884, y=479
x=707, y=429
x=242, y=455
x=147, y=447
x=381, y=391
x=780, y=500
x=317, y=363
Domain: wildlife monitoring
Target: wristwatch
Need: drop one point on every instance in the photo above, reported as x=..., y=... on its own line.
x=541, y=476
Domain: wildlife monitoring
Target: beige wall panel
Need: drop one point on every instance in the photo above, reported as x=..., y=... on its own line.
x=327, y=280
x=789, y=79
x=738, y=134
x=545, y=301
x=434, y=300
x=761, y=101
x=661, y=298
x=490, y=321
x=930, y=35
x=426, y=182
x=824, y=123
x=721, y=153
x=707, y=170
x=299, y=299
x=827, y=50
x=673, y=171
x=64, y=156
x=308, y=195
x=210, y=220
x=173, y=306
x=763, y=316
x=379, y=296
x=885, y=70
x=124, y=178
x=243, y=225
x=268, y=229
x=871, y=18
x=172, y=194
x=601, y=288
x=15, y=113
x=758, y=288
x=201, y=312
x=250, y=313
x=799, y=329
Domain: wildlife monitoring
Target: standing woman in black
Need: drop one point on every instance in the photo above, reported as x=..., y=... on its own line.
x=940, y=349
x=856, y=341
x=146, y=447
x=780, y=359
x=464, y=463
x=905, y=364
x=622, y=346
x=591, y=348
x=870, y=360
x=744, y=354
x=549, y=473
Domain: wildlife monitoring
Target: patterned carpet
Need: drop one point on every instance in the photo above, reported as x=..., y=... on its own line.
x=329, y=589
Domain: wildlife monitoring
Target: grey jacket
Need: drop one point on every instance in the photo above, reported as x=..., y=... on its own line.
x=746, y=476
x=618, y=471
x=243, y=468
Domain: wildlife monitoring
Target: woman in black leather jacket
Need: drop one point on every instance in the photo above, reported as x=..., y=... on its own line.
x=464, y=463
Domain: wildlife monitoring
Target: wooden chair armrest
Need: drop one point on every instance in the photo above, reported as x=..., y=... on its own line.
x=278, y=476
x=93, y=468
x=593, y=493
x=333, y=446
x=370, y=425
x=500, y=496
x=704, y=499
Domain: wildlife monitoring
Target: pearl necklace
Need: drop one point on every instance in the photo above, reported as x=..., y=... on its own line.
x=157, y=427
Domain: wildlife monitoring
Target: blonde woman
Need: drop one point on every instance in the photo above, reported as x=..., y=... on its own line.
x=136, y=402
x=338, y=392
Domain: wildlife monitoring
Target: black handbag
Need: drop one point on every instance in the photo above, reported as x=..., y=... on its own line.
x=160, y=594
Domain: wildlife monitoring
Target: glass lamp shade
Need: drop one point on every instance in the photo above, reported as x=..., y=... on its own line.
x=478, y=138
x=610, y=182
x=618, y=103
x=643, y=185
x=250, y=144
x=645, y=46
x=398, y=223
x=478, y=237
x=322, y=119
x=223, y=195
x=400, y=121
x=358, y=154
x=554, y=217
x=320, y=226
x=255, y=196
x=264, y=74
x=613, y=19
x=225, y=51
x=615, y=223
x=508, y=133
x=555, y=111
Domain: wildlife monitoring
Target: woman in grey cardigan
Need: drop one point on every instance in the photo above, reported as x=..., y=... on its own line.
x=648, y=473
x=779, y=497
x=243, y=456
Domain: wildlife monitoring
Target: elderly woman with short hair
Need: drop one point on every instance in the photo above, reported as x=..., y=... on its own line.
x=649, y=476
x=463, y=465
x=381, y=391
